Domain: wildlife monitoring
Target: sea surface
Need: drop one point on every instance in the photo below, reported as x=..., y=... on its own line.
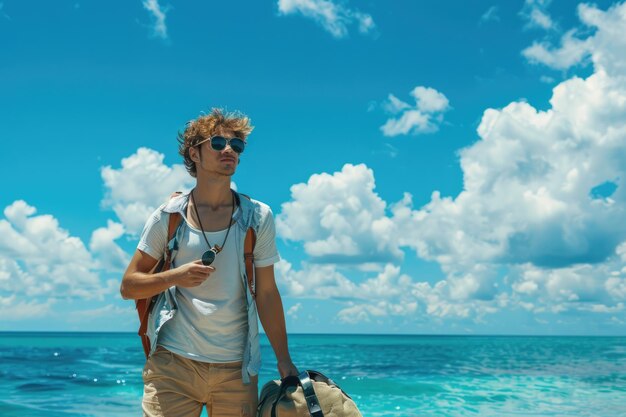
x=99, y=374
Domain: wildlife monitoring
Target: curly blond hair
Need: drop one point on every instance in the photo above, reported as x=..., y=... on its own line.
x=208, y=125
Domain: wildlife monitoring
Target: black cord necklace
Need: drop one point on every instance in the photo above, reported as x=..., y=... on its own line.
x=209, y=256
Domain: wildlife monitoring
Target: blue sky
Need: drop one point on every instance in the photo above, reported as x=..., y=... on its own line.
x=434, y=167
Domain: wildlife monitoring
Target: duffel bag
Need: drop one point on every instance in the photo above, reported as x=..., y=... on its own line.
x=314, y=396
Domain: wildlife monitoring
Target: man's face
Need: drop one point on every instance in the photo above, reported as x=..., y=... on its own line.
x=222, y=162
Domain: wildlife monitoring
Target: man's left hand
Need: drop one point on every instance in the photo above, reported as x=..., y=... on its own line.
x=287, y=368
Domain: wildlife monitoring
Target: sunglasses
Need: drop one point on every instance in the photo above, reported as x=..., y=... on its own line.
x=218, y=143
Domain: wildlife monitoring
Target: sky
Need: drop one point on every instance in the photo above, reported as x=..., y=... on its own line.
x=434, y=167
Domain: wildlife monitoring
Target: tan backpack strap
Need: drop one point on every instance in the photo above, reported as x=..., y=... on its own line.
x=248, y=249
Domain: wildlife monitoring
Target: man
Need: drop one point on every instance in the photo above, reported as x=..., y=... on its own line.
x=204, y=333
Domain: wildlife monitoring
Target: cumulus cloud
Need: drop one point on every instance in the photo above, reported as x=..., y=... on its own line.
x=158, y=15
x=540, y=224
x=102, y=243
x=527, y=187
x=40, y=259
x=340, y=218
x=322, y=281
x=333, y=17
x=388, y=294
x=596, y=288
x=528, y=198
x=40, y=262
x=423, y=117
x=142, y=184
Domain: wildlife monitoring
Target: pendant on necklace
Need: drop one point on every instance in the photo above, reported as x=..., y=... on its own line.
x=208, y=257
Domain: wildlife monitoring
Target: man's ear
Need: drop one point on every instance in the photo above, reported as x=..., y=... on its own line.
x=194, y=154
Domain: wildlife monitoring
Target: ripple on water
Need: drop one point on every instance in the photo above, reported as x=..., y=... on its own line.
x=40, y=387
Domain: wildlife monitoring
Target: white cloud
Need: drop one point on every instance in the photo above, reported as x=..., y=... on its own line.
x=356, y=313
x=384, y=296
x=527, y=196
x=389, y=293
x=571, y=52
x=607, y=46
x=102, y=244
x=600, y=308
x=550, y=247
x=491, y=15
x=616, y=286
x=527, y=231
x=40, y=259
x=562, y=286
x=109, y=310
x=293, y=310
x=142, y=184
x=527, y=184
x=535, y=12
x=541, y=19
x=340, y=218
x=14, y=309
x=6, y=16
x=320, y=281
x=158, y=15
x=333, y=17
x=424, y=117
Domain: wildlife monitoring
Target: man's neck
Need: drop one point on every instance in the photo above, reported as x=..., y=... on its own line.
x=214, y=193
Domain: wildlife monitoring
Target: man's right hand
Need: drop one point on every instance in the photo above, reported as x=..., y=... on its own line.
x=139, y=283
x=192, y=274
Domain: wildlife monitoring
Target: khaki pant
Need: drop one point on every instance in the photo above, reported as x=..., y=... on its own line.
x=175, y=386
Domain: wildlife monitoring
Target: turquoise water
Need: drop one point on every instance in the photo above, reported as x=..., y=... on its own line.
x=99, y=374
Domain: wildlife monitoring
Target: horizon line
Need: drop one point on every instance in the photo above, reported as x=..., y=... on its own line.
x=338, y=334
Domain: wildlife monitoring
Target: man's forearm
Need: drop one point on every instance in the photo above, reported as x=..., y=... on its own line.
x=140, y=285
x=272, y=318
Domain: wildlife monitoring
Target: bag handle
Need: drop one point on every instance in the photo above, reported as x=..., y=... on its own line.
x=320, y=377
x=304, y=380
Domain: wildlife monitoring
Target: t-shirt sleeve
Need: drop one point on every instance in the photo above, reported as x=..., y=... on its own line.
x=265, y=252
x=154, y=236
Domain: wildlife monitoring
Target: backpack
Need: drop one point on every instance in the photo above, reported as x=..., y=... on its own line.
x=144, y=306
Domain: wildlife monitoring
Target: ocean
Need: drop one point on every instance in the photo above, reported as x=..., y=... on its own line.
x=99, y=374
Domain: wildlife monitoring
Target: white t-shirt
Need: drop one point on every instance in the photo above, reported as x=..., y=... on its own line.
x=211, y=322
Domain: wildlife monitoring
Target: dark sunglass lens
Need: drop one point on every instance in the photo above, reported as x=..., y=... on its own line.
x=218, y=143
x=237, y=145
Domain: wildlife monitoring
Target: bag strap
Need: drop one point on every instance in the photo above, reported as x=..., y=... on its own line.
x=248, y=253
x=144, y=306
x=304, y=380
x=312, y=403
x=248, y=249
